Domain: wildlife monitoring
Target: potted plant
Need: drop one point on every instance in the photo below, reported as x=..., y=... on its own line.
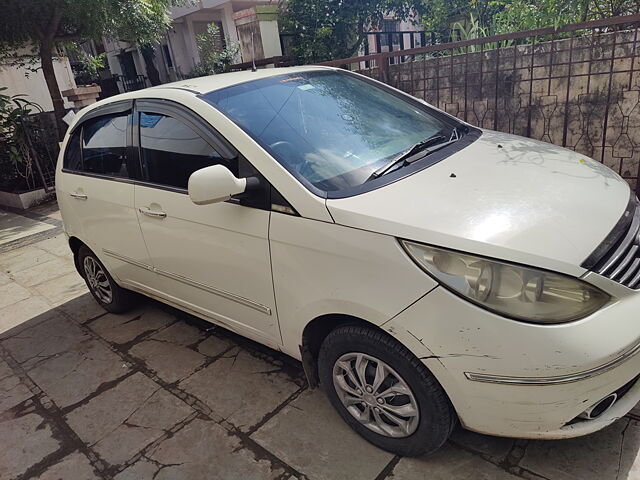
x=87, y=75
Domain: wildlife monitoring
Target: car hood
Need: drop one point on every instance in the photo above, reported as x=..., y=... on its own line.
x=503, y=196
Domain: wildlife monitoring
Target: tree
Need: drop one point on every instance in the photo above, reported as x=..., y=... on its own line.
x=40, y=25
x=331, y=29
x=506, y=16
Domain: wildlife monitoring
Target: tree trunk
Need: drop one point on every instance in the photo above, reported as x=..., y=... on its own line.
x=46, y=59
x=152, y=72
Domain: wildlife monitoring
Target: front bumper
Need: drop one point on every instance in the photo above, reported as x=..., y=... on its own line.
x=523, y=380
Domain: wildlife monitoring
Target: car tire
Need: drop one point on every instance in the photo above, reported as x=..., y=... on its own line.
x=104, y=289
x=357, y=345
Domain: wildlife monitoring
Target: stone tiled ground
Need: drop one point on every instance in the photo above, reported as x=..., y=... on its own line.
x=157, y=394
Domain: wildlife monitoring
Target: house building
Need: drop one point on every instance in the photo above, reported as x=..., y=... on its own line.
x=29, y=80
x=252, y=23
x=177, y=54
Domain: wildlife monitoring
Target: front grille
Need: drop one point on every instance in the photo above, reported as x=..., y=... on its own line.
x=622, y=261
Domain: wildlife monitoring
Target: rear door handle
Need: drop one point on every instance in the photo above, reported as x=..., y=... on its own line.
x=151, y=213
x=78, y=196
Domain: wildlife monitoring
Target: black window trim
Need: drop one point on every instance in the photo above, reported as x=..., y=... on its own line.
x=123, y=106
x=166, y=107
x=192, y=120
x=120, y=106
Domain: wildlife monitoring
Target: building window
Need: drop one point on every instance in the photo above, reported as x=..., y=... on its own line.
x=389, y=26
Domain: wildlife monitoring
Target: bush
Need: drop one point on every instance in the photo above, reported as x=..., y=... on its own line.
x=16, y=159
x=214, y=56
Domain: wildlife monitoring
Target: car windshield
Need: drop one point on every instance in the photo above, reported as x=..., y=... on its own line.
x=330, y=129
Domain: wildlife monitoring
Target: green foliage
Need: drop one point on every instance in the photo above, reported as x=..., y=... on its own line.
x=520, y=15
x=215, y=55
x=331, y=29
x=40, y=25
x=443, y=16
x=88, y=70
x=16, y=163
x=506, y=16
x=470, y=30
x=27, y=22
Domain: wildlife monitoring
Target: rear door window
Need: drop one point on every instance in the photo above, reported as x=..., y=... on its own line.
x=104, y=145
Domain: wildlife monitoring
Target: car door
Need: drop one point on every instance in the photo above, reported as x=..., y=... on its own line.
x=95, y=190
x=213, y=259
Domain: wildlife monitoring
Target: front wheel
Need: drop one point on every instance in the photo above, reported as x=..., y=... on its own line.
x=104, y=289
x=384, y=392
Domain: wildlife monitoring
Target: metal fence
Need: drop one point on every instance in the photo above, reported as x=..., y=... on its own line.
x=377, y=42
x=42, y=138
x=577, y=86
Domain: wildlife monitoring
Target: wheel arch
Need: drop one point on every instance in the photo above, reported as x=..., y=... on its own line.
x=75, y=244
x=314, y=334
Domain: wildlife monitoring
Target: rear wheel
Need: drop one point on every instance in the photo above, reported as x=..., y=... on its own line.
x=384, y=392
x=104, y=289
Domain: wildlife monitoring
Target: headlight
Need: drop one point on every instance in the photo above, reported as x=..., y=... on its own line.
x=514, y=291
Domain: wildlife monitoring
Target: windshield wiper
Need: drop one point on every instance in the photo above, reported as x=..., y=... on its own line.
x=427, y=146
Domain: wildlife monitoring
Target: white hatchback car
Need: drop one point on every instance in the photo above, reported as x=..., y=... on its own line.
x=423, y=270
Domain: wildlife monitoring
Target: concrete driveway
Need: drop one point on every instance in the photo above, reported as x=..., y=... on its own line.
x=157, y=394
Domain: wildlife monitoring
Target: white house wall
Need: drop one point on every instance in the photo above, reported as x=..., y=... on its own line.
x=22, y=81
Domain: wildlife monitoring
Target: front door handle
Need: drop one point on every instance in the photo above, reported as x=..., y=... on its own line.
x=78, y=196
x=151, y=213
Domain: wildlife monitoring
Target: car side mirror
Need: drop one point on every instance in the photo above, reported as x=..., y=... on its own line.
x=214, y=184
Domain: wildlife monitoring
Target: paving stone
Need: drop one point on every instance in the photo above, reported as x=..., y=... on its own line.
x=170, y=362
x=75, y=374
x=14, y=227
x=599, y=455
x=75, y=466
x=62, y=289
x=82, y=308
x=4, y=278
x=240, y=388
x=214, y=346
x=309, y=435
x=12, y=392
x=201, y=449
x=20, y=259
x=180, y=333
x=122, y=420
x=44, y=272
x=22, y=311
x=5, y=370
x=58, y=245
x=12, y=293
x=143, y=469
x=496, y=448
x=449, y=463
x=43, y=340
x=33, y=440
x=630, y=458
x=122, y=329
x=48, y=209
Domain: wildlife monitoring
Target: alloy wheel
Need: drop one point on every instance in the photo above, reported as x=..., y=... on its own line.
x=97, y=280
x=375, y=395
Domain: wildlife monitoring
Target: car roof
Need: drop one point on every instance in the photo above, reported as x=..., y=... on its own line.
x=198, y=86
x=210, y=83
